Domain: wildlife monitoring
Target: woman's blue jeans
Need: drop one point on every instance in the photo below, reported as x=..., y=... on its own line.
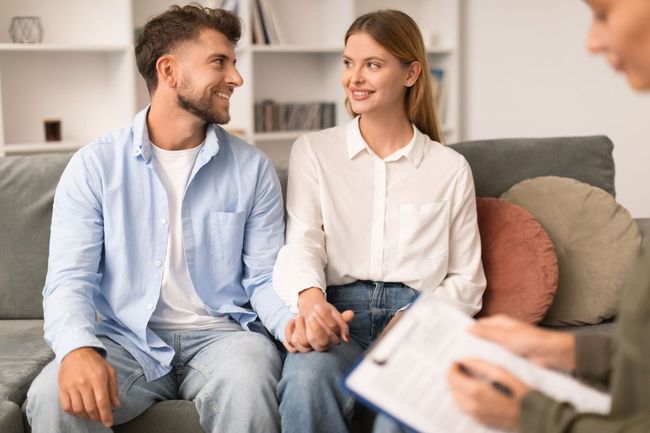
x=311, y=395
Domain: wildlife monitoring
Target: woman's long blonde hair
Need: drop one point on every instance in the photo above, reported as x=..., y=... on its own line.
x=400, y=35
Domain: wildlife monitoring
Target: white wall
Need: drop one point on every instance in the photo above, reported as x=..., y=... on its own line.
x=527, y=73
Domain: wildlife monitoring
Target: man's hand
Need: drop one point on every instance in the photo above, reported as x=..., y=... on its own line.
x=477, y=393
x=550, y=349
x=295, y=336
x=88, y=386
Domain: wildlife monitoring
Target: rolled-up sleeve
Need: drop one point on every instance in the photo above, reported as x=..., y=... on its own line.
x=541, y=414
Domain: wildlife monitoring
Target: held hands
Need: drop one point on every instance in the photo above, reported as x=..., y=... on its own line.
x=487, y=392
x=318, y=325
x=88, y=386
x=550, y=349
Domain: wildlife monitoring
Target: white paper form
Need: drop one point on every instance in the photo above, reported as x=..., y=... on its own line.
x=405, y=374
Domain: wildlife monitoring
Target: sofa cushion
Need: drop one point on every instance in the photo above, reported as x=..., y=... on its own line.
x=499, y=164
x=27, y=185
x=596, y=241
x=519, y=261
x=24, y=353
x=171, y=416
x=10, y=418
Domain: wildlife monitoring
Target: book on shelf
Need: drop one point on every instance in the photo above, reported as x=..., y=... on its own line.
x=259, y=36
x=439, y=92
x=271, y=23
x=271, y=116
x=266, y=30
x=229, y=5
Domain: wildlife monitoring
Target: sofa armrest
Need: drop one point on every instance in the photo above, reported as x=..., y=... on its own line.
x=644, y=226
x=10, y=418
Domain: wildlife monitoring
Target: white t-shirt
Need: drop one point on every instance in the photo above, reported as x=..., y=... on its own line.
x=179, y=306
x=351, y=215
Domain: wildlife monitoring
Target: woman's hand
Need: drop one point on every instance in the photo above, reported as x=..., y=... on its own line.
x=319, y=324
x=487, y=392
x=550, y=349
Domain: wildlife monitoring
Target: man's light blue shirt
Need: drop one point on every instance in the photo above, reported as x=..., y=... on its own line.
x=109, y=239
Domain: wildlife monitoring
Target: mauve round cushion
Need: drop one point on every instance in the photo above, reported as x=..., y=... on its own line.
x=596, y=241
x=519, y=261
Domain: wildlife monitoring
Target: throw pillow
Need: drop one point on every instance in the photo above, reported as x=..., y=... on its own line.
x=596, y=241
x=519, y=261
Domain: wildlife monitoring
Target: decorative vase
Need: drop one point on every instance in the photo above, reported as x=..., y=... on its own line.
x=26, y=30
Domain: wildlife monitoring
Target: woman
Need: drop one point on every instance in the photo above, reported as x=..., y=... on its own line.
x=620, y=30
x=378, y=210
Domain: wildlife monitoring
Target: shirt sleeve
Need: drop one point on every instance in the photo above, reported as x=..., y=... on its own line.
x=76, y=245
x=541, y=414
x=465, y=281
x=263, y=237
x=301, y=262
x=594, y=355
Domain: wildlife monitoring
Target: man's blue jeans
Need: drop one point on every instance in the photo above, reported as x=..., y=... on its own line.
x=311, y=396
x=231, y=376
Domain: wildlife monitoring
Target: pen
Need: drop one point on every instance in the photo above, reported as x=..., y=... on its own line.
x=498, y=386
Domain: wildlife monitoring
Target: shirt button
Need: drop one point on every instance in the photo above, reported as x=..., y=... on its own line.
x=163, y=365
x=149, y=306
x=163, y=221
x=158, y=263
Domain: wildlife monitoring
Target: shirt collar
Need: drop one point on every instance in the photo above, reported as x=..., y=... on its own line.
x=413, y=151
x=142, y=144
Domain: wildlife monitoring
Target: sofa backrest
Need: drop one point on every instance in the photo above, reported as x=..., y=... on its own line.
x=27, y=185
x=499, y=164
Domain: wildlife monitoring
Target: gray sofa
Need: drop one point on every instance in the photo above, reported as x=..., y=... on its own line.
x=27, y=187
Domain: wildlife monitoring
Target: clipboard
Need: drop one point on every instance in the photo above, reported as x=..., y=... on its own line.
x=404, y=375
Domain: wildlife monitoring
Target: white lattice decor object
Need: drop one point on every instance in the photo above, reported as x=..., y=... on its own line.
x=26, y=30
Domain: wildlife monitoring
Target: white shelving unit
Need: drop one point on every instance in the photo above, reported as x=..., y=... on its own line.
x=307, y=67
x=82, y=73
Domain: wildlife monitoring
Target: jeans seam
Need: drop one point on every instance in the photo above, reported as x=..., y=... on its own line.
x=377, y=288
x=212, y=403
x=206, y=376
x=130, y=380
x=200, y=368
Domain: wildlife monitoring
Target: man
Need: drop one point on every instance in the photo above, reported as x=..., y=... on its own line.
x=166, y=232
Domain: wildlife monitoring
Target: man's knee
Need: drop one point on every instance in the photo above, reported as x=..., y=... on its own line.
x=44, y=391
x=308, y=369
x=254, y=364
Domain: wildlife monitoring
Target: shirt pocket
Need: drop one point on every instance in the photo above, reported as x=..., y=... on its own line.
x=227, y=235
x=423, y=231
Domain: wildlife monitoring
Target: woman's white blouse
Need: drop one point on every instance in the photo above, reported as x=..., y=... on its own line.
x=408, y=218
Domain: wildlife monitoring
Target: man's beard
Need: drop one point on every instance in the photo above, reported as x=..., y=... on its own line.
x=203, y=108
